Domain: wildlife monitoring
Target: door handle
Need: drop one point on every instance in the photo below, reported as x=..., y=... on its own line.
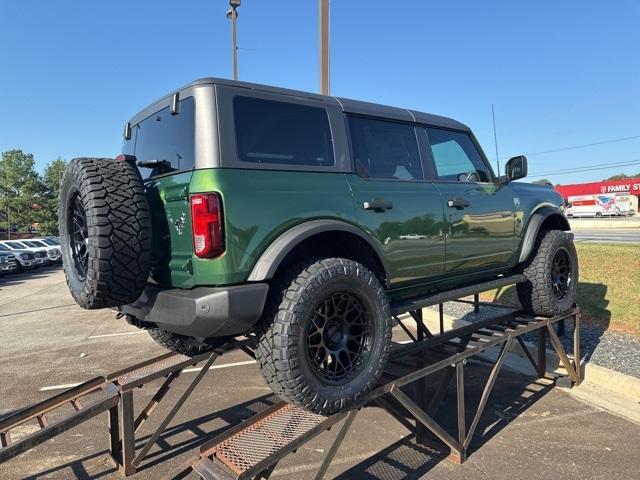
x=377, y=205
x=458, y=203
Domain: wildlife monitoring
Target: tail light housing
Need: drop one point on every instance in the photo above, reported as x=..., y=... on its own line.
x=207, y=224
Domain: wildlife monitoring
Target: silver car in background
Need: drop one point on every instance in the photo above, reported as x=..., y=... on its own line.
x=39, y=253
x=25, y=258
x=53, y=251
x=8, y=263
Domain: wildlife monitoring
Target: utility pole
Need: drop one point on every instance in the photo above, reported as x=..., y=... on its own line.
x=232, y=14
x=323, y=29
x=495, y=138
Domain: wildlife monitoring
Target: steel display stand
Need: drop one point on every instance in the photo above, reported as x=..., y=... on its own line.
x=115, y=396
x=253, y=448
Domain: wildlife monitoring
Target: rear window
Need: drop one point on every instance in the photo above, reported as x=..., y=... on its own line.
x=164, y=136
x=272, y=132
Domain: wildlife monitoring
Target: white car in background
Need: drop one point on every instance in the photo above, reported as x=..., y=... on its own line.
x=53, y=251
x=26, y=259
x=40, y=253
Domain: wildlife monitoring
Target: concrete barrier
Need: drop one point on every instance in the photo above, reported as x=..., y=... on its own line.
x=593, y=223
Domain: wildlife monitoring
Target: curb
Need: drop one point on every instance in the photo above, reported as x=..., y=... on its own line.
x=602, y=224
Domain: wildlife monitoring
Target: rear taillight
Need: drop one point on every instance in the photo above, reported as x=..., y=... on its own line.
x=208, y=230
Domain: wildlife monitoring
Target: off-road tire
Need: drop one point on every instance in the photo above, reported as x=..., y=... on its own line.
x=189, y=346
x=281, y=352
x=118, y=241
x=537, y=295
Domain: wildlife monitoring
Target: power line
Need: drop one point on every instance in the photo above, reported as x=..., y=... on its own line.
x=591, y=168
x=585, y=145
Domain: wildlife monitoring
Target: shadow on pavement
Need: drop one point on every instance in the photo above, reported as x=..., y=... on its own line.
x=26, y=275
x=512, y=394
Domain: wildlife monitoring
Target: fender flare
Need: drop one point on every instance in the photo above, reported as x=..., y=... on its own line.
x=272, y=257
x=533, y=227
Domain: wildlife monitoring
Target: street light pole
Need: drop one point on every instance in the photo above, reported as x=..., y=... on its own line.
x=323, y=29
x=232, y=14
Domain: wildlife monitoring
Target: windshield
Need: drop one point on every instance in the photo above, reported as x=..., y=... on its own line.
x=4, y=248
x=38, y=243
x=14, y=245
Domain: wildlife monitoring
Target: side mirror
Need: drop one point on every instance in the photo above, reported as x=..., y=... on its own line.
x=516, y=168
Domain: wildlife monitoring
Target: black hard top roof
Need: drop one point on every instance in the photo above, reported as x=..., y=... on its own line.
x=347, y=105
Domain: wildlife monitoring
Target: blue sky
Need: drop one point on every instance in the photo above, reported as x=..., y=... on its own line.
x=559, y=73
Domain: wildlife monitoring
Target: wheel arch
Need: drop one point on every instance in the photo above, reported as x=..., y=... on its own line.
x=324, y=236
x=545, y=218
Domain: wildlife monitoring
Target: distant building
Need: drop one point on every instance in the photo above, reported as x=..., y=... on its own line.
x=626, y=185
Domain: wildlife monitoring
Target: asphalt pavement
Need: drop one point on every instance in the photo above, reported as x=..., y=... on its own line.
x=621, y=235
x=47, y=343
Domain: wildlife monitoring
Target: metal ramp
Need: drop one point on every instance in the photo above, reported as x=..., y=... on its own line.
x=113, y=394
x=249, y=449
x=253, y=449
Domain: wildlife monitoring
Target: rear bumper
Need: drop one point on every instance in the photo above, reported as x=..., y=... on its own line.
x=202, y=311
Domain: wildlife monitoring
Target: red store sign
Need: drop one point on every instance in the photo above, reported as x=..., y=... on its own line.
x=627, y=185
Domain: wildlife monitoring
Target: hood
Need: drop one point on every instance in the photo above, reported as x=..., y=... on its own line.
x=543, y=193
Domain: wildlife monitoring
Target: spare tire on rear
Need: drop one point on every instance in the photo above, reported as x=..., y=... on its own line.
x=105, y=232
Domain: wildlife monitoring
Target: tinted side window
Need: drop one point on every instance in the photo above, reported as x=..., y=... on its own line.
x=384, y=149
x=274, y=132
x=163, y=136
x=455, y=156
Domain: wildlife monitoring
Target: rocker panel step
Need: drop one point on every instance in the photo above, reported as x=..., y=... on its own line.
x=403, y=306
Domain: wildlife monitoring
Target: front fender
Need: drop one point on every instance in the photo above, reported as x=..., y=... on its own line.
x=536, y=221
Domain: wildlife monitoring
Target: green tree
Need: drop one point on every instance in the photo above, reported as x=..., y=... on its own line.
x=542, y=181
x=48, y=213
x=621, y=176
x=20, y=189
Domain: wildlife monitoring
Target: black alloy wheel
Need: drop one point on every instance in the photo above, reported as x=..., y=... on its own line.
x=78, y=236
x=339, y=337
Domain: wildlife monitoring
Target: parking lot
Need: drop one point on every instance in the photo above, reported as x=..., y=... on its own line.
x=48, y=344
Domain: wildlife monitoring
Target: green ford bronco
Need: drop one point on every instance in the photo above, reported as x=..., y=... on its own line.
x=241, y=209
